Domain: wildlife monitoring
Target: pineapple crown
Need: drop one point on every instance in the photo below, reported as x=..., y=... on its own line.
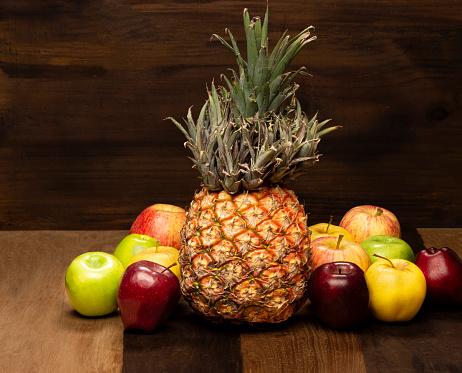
x=250, y=132
x=262, y=85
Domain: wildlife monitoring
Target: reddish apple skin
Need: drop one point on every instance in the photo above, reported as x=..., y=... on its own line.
x=368, y=220
x=147, y=295
x=339, y=294
x=324, y=250
x=442, y=269
x=162, y=222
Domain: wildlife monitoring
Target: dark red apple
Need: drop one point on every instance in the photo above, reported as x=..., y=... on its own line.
x=339, y=294
x=147, y=294
x=442, y=269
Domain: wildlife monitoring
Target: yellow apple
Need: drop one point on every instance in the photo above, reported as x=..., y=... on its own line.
x=328, y=229
x=163, y=255
x=330, y=249
x=397, y=289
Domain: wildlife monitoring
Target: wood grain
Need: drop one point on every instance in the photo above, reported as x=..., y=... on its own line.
x=40, y=331
x=442, y=237
x=430, y=342
x=185, y=343
x=85, y=87
x=301, y=345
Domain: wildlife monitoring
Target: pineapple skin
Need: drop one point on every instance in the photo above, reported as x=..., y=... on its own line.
x=245, y=257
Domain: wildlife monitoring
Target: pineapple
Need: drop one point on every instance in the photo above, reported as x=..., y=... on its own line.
x=245, y=252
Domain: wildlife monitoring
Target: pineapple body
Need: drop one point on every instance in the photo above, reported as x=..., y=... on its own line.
x=245, y=257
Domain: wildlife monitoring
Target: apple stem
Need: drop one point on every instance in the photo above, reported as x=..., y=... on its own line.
x=379, y=212
x=340, y=236
x=328, y=225
x=382, y=257
x=170, y=266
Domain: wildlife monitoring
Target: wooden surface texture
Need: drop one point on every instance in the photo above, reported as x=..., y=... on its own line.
x=85, y=87
x=40, y=332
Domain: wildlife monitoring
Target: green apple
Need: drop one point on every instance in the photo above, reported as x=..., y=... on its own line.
x=91, y=283
x=387, y=246
x=131, y=245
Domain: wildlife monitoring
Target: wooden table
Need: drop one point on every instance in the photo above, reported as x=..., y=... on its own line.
x=40, y=332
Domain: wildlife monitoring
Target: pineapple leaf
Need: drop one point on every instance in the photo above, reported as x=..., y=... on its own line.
x=263, y=98
x=226, y=44
x=234, y=48
x=257, y=27
x=202, y=114
x=252, y=51
x=264, y=31
x=248, y=140
x=320, y=125
x=280, y=98
x=224, y=154
x=230, y=86
x=193, y=149
x=240, y=61
x=293, y=48
x=309, y=147
x=199, y=141
x=302, y=34
x=260, y=75
x=215, y=109
x=180, y=127
x=327, y=130
x=278, y=50
x=239, y=98
x=191, y=124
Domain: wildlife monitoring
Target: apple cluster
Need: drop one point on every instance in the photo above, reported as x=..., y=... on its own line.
x=363, y=267
x=360, y=267
x=141, y=278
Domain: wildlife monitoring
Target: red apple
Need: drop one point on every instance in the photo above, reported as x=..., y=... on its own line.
x=365, y=221
x=162, y=255
x=147, y=294
x=442, y=269
x=339, y=294
x=162, y=222
x=334, y=249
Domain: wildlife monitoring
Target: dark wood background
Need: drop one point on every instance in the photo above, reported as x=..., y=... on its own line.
x=85, y=86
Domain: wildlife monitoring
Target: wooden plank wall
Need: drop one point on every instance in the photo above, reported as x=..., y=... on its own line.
x=85, y=86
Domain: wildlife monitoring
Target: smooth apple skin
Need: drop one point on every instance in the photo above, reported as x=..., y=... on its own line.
x=162, y=255
x=147, y=295
x=326, y=229
x=132, y=245
x=91, y=283
x=339, y=294
x=323, y=250
x=162, y=222
x=388, y=247
x=368, y=220
x=442, y=269
x=396, y=292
